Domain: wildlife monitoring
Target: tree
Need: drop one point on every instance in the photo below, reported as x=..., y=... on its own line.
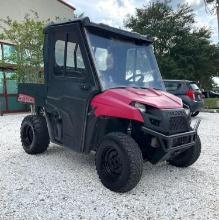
x=182, y=51
x=27, y=37
x=158, y=20
x=196, y=58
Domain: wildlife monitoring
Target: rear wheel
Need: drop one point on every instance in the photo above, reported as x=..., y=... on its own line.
x=195, y=114
x=119, y=162
x=187, y=157
x=34, y=134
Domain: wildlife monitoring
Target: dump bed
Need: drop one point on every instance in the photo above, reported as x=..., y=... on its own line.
x=32, y=93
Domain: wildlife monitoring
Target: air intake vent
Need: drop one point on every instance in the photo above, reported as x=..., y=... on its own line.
x=177, y=113
x=178, y=123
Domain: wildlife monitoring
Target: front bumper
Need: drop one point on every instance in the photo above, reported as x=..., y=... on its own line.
x=173, y=143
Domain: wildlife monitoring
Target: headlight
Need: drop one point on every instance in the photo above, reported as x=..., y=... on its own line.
x=140, y=106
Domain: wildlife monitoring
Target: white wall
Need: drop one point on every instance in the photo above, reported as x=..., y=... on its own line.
x=46, y=9
x=16, y=9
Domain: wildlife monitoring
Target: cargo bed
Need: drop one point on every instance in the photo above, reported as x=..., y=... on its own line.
x=32, y=93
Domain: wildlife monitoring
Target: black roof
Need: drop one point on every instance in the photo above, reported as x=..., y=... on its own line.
x=85, y=21
x=178, y=80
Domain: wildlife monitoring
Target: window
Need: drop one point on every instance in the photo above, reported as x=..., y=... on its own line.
x=194, y=86
x=79, y=59
x=60, y=53
x=122, y=63
x=173, y=86
x=70, y=62
x=9, y=53
x=74, y=56
x=101, y=55
x=139, y=66
x=74, y=60
x=130, y=63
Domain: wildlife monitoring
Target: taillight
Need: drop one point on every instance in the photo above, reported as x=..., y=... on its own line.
x=190, y=93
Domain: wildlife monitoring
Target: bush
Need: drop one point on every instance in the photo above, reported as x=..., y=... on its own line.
x=211, y=103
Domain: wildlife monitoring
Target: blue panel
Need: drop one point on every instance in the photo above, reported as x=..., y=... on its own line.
x=2, y=104
x=1, y=82
x=11, y=83
x=14, y=105
x=0, y=53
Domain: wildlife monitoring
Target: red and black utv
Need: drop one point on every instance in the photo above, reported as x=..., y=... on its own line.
x=103, y=92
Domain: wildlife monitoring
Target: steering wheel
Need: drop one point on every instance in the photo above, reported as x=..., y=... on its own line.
x=141, y=79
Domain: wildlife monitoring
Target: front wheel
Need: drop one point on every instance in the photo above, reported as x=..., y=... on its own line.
x=119, y=162
x=187, y=157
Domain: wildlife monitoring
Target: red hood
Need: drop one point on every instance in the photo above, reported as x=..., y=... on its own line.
x=152, y=97
x=116, y=102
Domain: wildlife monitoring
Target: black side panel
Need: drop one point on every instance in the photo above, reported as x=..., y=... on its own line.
x=38, y=91
x=98, y=127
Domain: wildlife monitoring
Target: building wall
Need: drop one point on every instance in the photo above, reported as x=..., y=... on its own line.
x=46, y=9
x=16, y=9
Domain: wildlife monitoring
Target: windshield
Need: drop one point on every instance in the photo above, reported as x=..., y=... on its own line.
x=123, y=63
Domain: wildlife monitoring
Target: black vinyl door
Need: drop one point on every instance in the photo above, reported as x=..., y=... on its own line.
x=69, y=88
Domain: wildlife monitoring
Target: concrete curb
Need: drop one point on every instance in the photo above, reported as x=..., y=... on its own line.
x=210, y=110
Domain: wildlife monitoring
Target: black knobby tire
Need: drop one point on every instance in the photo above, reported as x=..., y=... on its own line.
x=34, y=134
x=119, y=162
x=195, y=114
x=187, y=157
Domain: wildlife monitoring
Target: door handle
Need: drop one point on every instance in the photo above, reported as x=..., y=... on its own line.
x=85, y=86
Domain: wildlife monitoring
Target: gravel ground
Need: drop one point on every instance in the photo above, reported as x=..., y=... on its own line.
x=63, y=184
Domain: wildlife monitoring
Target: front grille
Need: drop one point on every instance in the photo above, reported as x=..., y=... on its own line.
x=178, y=123
x=181, y=141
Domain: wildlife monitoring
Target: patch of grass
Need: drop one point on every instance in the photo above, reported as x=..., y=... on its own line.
x=211, y=103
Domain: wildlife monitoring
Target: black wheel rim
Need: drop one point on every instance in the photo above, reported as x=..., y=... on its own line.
x=28, y=135
x=111, y=163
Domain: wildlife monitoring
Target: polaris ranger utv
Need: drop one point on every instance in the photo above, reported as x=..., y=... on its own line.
x=103, y=92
